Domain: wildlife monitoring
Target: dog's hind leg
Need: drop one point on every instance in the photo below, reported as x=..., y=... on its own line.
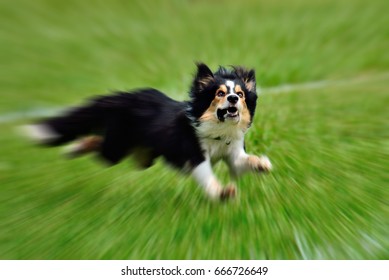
x=84, y=146
x=144, y=157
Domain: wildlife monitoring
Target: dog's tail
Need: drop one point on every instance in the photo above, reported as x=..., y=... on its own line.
x=70, y=125
x=94, y=119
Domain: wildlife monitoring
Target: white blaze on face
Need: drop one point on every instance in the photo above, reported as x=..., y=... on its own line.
x=230, y=87
x=231, y=91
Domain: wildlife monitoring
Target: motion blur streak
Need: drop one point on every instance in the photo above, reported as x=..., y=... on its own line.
x=46, y=112
x=327, y=197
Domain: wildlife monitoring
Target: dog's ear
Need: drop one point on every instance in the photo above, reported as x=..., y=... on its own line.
x=247, y=76
x=204, y=76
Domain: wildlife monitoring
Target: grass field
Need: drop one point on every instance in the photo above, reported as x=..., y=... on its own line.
x=327, y=197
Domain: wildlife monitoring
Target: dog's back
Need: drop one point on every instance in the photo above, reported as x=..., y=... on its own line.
x=145, y=120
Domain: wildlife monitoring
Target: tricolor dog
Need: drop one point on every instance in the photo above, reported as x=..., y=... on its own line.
x=146, y=124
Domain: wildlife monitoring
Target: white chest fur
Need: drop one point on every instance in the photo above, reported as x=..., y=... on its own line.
x=216, y=149
x=221, y=147
x=220, y=139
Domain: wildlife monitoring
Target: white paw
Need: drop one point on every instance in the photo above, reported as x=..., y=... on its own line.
x=265, y=163
x=228, y=192
x=72, y=150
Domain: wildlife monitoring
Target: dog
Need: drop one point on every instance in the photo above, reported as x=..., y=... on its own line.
x=192, y=135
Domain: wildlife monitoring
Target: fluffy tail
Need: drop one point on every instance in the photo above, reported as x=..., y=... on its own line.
x=103, y=116
x=71, y=125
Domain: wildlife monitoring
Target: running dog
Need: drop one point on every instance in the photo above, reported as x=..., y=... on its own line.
x=191, y=135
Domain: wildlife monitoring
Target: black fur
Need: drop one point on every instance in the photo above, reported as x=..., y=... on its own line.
x=149, y=119
x=145, y=118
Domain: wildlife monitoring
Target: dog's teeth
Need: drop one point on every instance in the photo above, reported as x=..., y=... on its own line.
x=232, y=109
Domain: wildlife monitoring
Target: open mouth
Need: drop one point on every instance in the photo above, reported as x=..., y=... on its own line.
x=228, y=113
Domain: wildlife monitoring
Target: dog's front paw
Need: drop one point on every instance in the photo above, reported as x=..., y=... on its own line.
x=261, y=163
x=228, y=192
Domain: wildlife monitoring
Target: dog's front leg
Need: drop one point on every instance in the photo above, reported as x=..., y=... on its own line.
x=205, y=177
x=241, y=162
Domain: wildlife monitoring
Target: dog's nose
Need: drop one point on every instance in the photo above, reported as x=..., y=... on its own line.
x=233, y=98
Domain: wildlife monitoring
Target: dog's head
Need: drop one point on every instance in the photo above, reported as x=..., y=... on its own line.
x=227, y=96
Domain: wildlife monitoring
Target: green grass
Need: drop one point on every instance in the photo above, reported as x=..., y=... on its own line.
x=328, y=194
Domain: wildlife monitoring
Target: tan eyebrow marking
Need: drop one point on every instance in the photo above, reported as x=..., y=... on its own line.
x=238, y=88
x=222, y=88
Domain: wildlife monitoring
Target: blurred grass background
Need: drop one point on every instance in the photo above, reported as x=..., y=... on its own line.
x=327, y=197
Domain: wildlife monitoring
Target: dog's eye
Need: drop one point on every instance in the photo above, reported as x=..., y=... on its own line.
x=220, y=93
x=240, y=94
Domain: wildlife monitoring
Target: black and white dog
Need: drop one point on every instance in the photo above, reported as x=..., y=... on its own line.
x=146, y=124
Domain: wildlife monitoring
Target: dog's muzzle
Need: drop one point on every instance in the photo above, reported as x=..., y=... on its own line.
x=231, y=113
